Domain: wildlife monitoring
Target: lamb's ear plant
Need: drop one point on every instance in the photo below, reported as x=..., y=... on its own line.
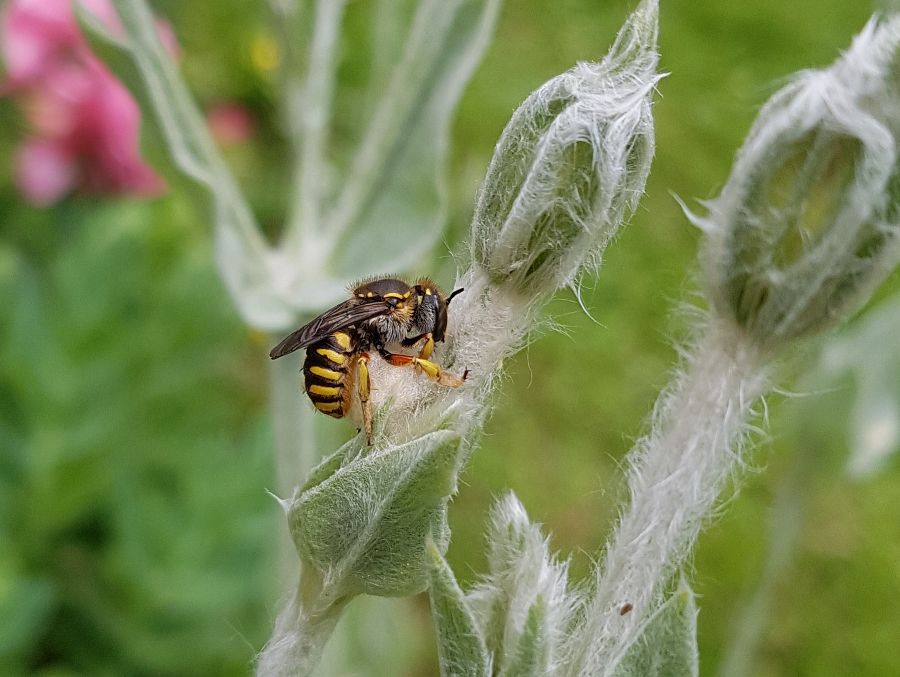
x=569, y=166
x=348, y=203
x=805, y=228
x=873, y=421
x=803, y=231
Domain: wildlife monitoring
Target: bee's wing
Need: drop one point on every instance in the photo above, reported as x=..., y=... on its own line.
x=341, y=316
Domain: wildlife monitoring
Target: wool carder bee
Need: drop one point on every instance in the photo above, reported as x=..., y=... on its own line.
x=381, y=312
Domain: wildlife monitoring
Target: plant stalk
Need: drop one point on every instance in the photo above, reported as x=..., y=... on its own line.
x=677, y=473
x=301, y=632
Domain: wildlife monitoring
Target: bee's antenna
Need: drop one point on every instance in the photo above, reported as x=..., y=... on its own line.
x=455, y=292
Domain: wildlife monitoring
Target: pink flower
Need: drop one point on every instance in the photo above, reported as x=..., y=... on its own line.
x=85, y=125
x=44, y=173
x=230, y=123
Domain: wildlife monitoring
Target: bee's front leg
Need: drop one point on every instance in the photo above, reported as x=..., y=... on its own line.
x=363, y=388
x=427, y=348
x=433, y=371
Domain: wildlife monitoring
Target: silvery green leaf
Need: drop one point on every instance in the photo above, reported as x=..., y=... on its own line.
x=241, y=252
x=360, y=524
x=363, y=525
x=393, y=192
x=876, y=427
x=461, y=647
x=395, y=189
x=667, y=647
x=529, y=657
x=866, y=352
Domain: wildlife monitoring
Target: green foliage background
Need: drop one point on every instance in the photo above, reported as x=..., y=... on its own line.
x=136, y=536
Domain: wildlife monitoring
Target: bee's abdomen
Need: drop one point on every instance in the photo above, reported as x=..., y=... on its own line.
x=328, y=373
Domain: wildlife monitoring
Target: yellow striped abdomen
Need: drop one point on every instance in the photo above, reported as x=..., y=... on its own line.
x=328, y=371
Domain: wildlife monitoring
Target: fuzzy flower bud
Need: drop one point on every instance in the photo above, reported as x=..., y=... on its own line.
x=572, y=159
x=522, y=606
x=806, y=225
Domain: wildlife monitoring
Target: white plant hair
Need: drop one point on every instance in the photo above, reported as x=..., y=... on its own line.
x=698, y=434
x=676, y=474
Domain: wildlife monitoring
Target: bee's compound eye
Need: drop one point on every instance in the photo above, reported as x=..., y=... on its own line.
x=392, y=301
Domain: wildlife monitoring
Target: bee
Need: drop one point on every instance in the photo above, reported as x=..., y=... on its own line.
x=380, y=312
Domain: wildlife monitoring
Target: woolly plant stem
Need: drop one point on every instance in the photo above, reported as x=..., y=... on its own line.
x=677, y=473
x=301, y=631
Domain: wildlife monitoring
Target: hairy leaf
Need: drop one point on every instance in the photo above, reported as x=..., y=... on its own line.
x=395, y=188
x=241, y=252
x=461, y=646
x=529, y=658
x=668, y=644
x=364, y=527
x=522, y=604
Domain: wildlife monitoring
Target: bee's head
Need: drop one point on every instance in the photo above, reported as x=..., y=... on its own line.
x=396, y=293
x=431, y=309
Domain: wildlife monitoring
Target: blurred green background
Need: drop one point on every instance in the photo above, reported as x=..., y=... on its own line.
x=136, y=536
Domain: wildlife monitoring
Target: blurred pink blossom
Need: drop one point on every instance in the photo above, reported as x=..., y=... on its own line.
x=230, y=123
x=85, y=125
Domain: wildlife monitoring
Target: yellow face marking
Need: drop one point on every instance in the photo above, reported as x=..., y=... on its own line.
x=428, y=291
x=324, y=391
x=362, y=296
x=343, y=340
x=394, y=295
x=370, y=295
x=326, y=407
x=419, y=298
x=327, y=374
x=332, y=355
x=406, y=295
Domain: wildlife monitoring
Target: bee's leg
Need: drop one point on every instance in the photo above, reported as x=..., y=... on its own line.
x=432, y=371
x=412, y=340
x=364, y=387
x=427, y=348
